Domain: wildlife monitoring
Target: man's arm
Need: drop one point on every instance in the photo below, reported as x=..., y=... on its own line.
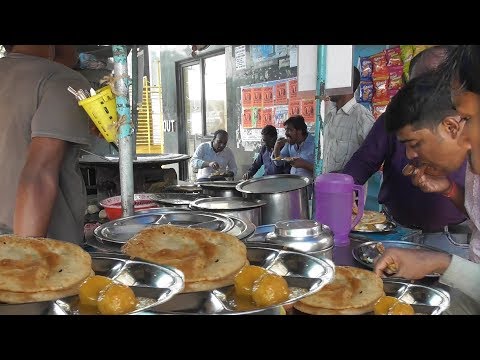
x=38, y=187
x=197, y=158
x=367, y=160
x=257, y=163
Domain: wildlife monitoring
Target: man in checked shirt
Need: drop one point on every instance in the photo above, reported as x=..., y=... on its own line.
x=346, y=125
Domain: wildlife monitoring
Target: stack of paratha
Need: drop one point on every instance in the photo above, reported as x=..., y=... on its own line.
x=38, y=269
x=353, y=291
x=369, y=220
x=208, y=259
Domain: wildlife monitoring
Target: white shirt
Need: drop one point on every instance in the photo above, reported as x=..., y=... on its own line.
x=472, y=205
x=344, y=132
x=205, y=154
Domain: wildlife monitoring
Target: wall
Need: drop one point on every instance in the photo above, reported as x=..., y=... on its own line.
x=255, y=72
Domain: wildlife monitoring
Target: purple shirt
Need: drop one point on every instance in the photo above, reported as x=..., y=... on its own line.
x=408, y=205
x=264, y=158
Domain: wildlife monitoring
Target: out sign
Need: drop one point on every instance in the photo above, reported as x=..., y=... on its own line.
x=169, y=126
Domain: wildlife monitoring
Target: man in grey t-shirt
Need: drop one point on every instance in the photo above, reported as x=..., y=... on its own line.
x=42, y=192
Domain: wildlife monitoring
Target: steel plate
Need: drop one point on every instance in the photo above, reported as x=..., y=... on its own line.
x=378, y=228
x=366, y=252
x=425, y=300
x=152, y=284
x=121, y=230
x=304, y=274
x=226, y=204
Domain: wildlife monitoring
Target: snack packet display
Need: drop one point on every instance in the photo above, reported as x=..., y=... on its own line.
x=379, y=109
x=381, y=90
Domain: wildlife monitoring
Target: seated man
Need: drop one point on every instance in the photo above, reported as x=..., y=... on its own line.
x=407, y=204
x=298, y=148
x=269, y=137
x=214, y=157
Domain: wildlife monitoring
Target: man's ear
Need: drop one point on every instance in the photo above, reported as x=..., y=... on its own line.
x=452, y=126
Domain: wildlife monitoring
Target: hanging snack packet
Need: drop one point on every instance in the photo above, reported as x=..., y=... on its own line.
x=393, y=56
x=379, y=109
x=366, y=68
x=406, y=55
x=380, y=90
x=366, y=91
x=396, y=81
x=379, y=62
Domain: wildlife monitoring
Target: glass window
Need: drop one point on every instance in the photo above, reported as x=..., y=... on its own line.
x=215, y=94
x=193, y=99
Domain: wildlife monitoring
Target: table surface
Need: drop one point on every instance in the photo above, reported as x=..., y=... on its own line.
x=162, y=159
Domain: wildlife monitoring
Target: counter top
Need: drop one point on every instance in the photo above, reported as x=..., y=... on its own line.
x=148, y=159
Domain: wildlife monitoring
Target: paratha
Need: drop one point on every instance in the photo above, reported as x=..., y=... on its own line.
x=11, y=297
x=202, y=255
x=369, y=220
x=353, y=291
x=32, y=265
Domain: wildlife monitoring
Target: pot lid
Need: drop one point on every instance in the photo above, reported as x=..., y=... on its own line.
x=226, y=204
x=273, y=184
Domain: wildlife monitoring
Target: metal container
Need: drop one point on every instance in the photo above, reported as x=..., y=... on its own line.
x=249, y=210
x=220, y=188
x=286, y=196
x=306, y=236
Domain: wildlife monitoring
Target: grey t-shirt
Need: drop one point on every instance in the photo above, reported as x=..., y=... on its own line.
x=34, y=102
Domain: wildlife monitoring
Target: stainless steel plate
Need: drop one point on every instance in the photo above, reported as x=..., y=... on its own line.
x=218, y=184
x=272, y=184
x=242, y=228
x=304, y=274
x=121, y=230
x=152, y=284
x=178, y=199
x=425, y=300
x=366, y=252
x=378, y=228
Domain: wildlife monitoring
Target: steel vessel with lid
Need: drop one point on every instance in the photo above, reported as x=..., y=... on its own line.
x=307, y=236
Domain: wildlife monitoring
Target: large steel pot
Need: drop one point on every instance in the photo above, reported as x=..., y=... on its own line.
x=220, y=188
x=249, y=210
x=286, y=196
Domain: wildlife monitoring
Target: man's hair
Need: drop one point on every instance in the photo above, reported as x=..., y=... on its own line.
x=219, y=132
x=298, y=123
x=270, y=130
x=423, y=60
x=356, y=78
x=423, y=103
x=463, y=65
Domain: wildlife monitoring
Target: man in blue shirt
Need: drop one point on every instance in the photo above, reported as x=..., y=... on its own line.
x=298, y=149
x=269, y=137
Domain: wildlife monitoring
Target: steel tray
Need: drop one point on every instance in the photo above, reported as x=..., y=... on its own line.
x=304, y=274
x=121, y=230
x=425, y=300
x=366, y=252
x=152, y=284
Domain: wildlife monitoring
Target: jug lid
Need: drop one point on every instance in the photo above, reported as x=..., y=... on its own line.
x=334, y=182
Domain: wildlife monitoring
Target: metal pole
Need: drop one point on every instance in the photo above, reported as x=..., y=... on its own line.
x=134, y=98
x=321, y=75
x=125, y=156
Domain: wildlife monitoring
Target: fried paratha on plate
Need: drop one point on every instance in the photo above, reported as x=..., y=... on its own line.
x=40, y=269
x=353, y=291
x=369, y=220
x=208, y=259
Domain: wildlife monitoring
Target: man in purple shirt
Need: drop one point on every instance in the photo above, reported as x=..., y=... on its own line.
x=269, y=137
x=407, y=204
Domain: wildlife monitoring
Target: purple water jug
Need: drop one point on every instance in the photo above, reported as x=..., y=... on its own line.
x=333, y=204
